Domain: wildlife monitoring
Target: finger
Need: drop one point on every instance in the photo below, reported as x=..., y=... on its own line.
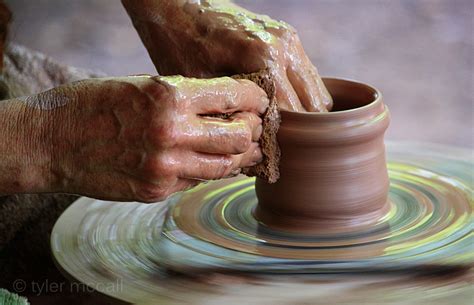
x=285, y=94
x=210, y=166
x=326, y=97
x=252, y=94
x=311, y=92
x=219, y=136
x=312, y=77
x=252, y=120
x=225, y=95
x=252, y=157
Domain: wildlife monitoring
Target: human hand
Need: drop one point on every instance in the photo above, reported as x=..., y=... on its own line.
x=208, y=39
x=143, y=138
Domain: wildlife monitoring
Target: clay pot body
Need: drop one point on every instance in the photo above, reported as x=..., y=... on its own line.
x=333, y=169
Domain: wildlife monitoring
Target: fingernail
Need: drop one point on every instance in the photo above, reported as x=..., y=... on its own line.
x=257, y=133
x=265, y=102
x=233, y=173
x=257, y=155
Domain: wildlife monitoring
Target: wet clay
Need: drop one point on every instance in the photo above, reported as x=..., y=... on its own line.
x=100, y=242
x=333, y=172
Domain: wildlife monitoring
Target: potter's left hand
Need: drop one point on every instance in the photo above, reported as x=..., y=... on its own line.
x=215, y=38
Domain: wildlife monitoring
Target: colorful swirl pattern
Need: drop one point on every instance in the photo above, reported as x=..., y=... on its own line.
x=125, y=249
x=429, y=225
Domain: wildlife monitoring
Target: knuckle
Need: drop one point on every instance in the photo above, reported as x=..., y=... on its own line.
x=226, y=167
x=246, y=83
x=243, y=139
x=264, y=100
x=170, y=95
x=155, y=89
x=165, y=135
x=287, y=31
x=257, y=120
x=240, y=143
x=231, y=103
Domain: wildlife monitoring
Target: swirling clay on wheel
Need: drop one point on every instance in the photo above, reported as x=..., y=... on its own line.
x=427, y=228
x=429, y=224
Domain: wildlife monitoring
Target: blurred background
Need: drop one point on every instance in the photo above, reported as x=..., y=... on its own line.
x=419, y=53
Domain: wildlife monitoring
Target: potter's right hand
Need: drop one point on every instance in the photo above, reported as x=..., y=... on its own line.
x=214, y=38
x=143, y=138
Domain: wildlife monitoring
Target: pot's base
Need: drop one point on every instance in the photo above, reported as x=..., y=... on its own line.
x=321, y=225
x=425, y=223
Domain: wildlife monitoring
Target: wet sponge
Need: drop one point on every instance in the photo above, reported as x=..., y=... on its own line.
x=268, y=168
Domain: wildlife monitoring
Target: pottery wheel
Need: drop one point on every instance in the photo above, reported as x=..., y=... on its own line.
x=211, y=242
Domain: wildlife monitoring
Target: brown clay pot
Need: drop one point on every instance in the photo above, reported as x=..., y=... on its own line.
x=333, y=170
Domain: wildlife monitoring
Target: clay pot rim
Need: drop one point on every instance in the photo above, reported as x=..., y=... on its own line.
x=376, y=94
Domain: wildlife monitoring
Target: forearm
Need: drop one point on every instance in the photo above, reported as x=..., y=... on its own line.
x=165, y=11
x=24, y=161
x=165, y=28
x=198, y=18
x=27, y=146
x=195, y=38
